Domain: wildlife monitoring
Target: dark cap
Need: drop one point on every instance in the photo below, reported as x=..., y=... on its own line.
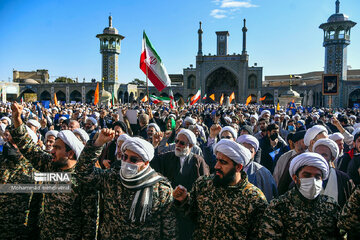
x=248, y=129
x=298, y=136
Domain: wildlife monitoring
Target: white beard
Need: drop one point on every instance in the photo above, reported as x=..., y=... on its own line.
x=182, y=153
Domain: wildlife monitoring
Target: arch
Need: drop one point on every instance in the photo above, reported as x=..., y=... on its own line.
x=121, y=96
x=45, y=96
x=90, y=96
x=164, y=94
x=354, y=97
x=191, y=82
x=252, y=81
x=28, y=90
x=126, y=97
x=269, y=99
x=60, y=95
x=221, y=66
x=177, y=96
x=131, y=97
x=253, y=98
x=141, y=96
x=75, y=96
x=221, y=81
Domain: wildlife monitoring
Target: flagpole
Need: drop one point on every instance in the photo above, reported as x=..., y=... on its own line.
x=147, y=85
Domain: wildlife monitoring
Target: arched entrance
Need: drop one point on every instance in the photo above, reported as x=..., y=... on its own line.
x=221, y=81
x=121, y=96
x=60, y=95
x=354, y=97
x=269, y=99
x=177, y=96
x=45, y=96
x=75, y=96
x=126, y=97
x=90, y=96
x=253, y=98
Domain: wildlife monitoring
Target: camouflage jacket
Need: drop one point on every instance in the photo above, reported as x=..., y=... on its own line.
x=15, y=207
x=349, y=219
x=224, y=212
x=60, y=216
x=117, y=200
x=292, y=216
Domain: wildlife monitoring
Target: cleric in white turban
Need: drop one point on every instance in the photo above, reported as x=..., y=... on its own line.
x=309, y=159
x=6, y=121
x=139, y=146
x=155, y=126
x=246, y=138
x=189, y=135
x=93, y=120
x=33, y=124
x=119, y=142
x=230, y=130
x=233, y=150
x=69, y=138
x=334, y=149
x=81, y=134
x=313, y=134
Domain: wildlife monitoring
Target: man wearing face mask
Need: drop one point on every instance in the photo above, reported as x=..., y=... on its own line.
x=272, y=147
x=302, y=212
x=182, y=167
x=224, y=205
x=137, y=200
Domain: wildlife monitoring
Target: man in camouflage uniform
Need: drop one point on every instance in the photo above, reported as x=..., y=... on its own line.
x=15, y=207
x=349, y=219
x=60, y=216
x=140, y=209
x=224, y=205
x=302, y=212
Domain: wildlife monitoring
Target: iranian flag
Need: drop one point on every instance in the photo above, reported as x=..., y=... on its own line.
x=151, y=65
x=204, y=97
x=195, y=98
x=157, y=100
x=172, y=102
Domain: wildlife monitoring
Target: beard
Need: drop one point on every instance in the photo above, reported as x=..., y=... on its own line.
x=62, y=162
x=226, y=179
x=182, y=153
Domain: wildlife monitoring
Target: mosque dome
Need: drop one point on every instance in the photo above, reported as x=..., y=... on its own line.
x=105, y=95
x=30, y=81
x=290, y=93
x=338, y=17
x=110, y=29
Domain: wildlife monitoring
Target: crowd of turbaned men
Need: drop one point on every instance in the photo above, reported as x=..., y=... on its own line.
x=204, y=171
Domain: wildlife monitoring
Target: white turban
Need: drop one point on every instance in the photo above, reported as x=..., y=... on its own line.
x=264, y=112
x=311, y=133
x=336, y=136
x=276, y=115
x=2, y=127
x=154, y=125
x=189, y=135
x=83, y=134
x=309, y=159
x=254, y=116
x=93, y=120
x=234, y=151
x=69, y=138
x=62, y=118
x=139, y=146
x=51, y=133
x=190, y=120
x=34, y=123
x=246, y=138
x=97, y=114
x=330, y=144
x=123, y=138
x=356, y=125
x=32, y=134
x=228, y=119
x=7, y=119
x=230, y=129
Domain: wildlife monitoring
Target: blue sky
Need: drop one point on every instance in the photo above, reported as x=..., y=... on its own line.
x=59, y=35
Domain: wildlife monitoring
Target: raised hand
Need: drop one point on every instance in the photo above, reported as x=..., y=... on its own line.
x=157, y=137
x=16, y=113
x=215, y=130
x=106, y=135
x=180, y=193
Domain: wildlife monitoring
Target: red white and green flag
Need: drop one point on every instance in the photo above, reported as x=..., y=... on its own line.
x=156, y=99
x=152, y=66
x=204, y=97
x=172, y=101
x=195, y=98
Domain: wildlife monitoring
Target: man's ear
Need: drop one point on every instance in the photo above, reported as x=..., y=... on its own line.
x=71, y=155
x=191, y=145
x=239, y=167
x=295, y=178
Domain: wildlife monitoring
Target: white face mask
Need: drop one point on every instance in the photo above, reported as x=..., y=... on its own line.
x=310, y=188
x=128, y=170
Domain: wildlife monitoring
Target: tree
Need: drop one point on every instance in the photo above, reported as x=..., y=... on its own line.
x=64, y=80
x=138, y=82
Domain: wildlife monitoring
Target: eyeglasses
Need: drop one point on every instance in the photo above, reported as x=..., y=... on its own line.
x=227, y=137
x=132, y=159
x=182, y=143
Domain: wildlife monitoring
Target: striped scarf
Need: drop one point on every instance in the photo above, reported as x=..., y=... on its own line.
x=143, y=183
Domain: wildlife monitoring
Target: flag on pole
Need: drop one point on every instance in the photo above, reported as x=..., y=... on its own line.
x=204, y=97
x=55, y=100
x=157, y=100
x=22, y=99
x=112, y=99
x=196, y=97
x=96, y=95
x=263, y=98
x=212, y=96
x=152, y=66
x=278, y=106
x=145, y=99
x=172, y=101
x=221, y=99
x=248, y=100
x=232, y=97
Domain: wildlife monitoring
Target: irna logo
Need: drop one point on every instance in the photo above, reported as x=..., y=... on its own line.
x=52, y=177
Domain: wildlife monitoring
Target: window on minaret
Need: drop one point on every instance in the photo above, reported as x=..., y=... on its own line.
x=252, y=81
x=191, y=82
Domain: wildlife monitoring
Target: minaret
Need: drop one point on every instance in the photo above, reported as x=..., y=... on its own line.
x=110, y=41
x=200, y=32
x=336, y=39
x=244, y=30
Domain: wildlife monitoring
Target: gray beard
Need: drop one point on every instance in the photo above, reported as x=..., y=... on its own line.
x=183, y=153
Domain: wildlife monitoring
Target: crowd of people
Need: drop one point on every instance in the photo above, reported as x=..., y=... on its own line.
x=192, y=172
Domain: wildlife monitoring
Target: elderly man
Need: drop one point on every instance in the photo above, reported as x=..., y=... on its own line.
x=313, y=134
x=6, y=121
x=302, y=212
x=73, y=124
x=50, y=138
x=224, y=205
x=182, y=167
x=257, y=174
x=61, y=217
x=338, y=185
x=142, y=208
x=91, y=126
x=151, y=129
